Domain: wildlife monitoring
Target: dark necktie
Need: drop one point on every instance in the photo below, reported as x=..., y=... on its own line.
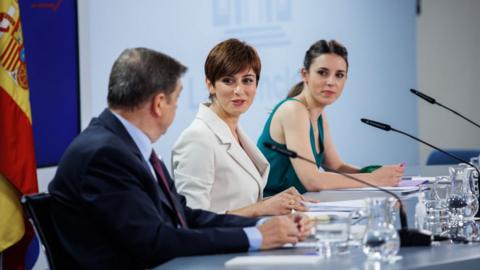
x=164, y=184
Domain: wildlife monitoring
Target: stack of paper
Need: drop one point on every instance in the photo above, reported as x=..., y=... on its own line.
x=356, y=233
x=338, y=206
x=326, y=210
x=273, y=260
x=404, y=189
x=415, y=181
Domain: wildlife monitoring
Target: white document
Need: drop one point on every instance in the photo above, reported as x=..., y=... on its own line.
x=356, y=233
x=401, y=190
x=326, y=215
x=273, y=260
x=338, y=206
x=428, y=179
x=303, y=244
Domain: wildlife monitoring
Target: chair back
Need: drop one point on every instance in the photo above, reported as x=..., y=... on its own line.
x=37, y=207
x=438, y=158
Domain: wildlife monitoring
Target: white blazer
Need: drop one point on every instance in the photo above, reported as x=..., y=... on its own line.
x=212, y=170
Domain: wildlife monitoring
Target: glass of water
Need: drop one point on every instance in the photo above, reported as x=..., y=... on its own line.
x=462, y=202
x=441, y=189
x=332, y=235
x=437, y=218
x=381, y=240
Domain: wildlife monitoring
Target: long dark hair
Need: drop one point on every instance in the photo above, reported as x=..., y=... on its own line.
x=318, y=48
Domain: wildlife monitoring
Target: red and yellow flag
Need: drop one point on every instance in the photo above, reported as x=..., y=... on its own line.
x=17, y=157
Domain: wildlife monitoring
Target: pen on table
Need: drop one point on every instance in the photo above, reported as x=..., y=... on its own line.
x=423, y=182
x=403, y=193
x=407, y=192
x=414, y=178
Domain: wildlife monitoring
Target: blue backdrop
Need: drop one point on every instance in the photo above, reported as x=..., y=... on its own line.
x=50, y=38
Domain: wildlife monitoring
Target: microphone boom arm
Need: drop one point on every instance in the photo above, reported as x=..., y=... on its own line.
x=380, y=126
x=403, y=214
x=293, y=154
x=433, y=101
x=458, y=114
x=407, y=237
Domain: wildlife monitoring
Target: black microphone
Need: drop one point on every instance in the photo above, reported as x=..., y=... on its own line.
x=376, y=124
x=280, y=150
x=383, y=126
x=433, y=101
x=422, y=95
x=408, y=237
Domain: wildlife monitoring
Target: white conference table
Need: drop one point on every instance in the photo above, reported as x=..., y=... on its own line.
x=441, y=256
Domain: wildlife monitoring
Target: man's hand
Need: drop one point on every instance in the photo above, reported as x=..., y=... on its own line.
x=278, y=231
x=304, y=225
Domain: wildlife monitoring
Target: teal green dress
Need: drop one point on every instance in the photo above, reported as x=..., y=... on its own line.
x=282, y=175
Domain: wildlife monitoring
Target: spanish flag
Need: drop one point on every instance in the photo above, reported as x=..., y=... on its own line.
x=17, y=157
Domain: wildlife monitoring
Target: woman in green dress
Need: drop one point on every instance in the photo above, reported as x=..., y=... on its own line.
x=300, y=124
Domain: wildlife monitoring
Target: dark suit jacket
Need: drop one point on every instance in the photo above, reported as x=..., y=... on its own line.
x=111, y=213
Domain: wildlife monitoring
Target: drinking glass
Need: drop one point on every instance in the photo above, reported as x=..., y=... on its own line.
x=469, y=231
x=431, y=212
x=472, y=177
x=462, y=202
x=441, y=189
x=381, y=240
x=470, y=180
x=437, y=218
x=332, y=235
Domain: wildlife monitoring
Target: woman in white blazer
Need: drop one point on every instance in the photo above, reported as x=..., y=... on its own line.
x=215, y=165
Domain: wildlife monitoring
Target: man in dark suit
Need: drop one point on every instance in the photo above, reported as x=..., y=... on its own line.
x=114, y=204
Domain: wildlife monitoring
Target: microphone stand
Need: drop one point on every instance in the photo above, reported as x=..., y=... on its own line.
x=387, y=127
x=408, y=237
x=433, y=101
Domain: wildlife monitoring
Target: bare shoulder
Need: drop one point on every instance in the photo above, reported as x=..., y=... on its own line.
x=292, y=110
x=289, y=119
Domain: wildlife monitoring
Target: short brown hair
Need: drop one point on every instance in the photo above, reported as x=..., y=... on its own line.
x=230, y=57
x=140, y=73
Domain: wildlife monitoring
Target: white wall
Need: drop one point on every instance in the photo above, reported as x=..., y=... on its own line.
x=448, y=60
